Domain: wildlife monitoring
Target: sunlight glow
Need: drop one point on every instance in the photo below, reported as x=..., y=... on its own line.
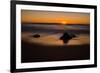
x=64, y=22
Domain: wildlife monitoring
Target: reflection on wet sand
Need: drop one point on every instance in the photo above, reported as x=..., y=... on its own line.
x=53, y=39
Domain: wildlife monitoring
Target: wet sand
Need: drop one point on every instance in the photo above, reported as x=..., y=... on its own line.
x=54, y=39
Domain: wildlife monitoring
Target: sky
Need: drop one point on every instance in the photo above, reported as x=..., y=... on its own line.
x=36, y=16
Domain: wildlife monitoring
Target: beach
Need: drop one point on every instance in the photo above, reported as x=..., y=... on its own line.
x=50, y=48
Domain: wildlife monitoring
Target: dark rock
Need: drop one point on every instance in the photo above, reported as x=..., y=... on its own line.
x=66, y=37
x=36, y=36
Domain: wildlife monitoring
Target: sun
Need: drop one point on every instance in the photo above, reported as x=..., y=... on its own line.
x=63, y=22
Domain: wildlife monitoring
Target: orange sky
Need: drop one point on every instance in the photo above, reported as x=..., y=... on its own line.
x=33, y=16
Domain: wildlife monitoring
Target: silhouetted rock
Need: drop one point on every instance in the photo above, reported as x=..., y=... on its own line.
x=36, y=36
x=66, y=37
